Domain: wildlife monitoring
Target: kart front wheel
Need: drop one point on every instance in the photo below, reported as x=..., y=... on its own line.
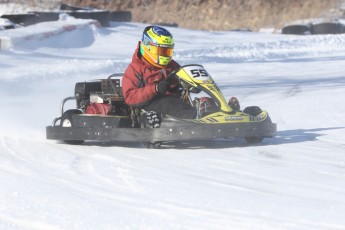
x=253, y=111
x=67, y=121
x=253, y=139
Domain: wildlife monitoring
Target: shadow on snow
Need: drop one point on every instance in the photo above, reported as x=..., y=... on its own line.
x=283, y=137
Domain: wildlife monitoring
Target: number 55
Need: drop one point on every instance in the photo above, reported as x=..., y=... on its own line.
x=198, y=73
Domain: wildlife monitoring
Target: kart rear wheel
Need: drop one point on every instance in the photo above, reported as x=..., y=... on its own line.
x=67, y=121
x=151, y=119
x=153, y=145
x=253, y=111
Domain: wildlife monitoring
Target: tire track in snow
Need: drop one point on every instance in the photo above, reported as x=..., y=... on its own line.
x=85, y=165
x=128, y=179
x=8, y=149
x=98, y=167
x=118, y=166
x=15, y=223
x=329, y=117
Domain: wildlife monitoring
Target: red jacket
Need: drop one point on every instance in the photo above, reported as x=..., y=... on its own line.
x=140, y=79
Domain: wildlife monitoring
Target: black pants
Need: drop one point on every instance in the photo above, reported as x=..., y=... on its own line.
x=173, y=106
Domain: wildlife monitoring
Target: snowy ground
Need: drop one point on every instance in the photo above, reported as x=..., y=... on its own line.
x=293, y=181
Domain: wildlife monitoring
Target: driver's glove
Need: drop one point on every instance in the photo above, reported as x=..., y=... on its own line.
x=162, y=86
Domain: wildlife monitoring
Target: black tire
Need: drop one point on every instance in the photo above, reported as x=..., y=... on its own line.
x=254, y=139
x=121, y=16
x=153, y=145
x=67, y=121
x=46, y=16
x=101, y=16
x=152, y=120
x=253, y=111
x=328, y=28
x=297, y=29
x=68, y=7
x=22, y=19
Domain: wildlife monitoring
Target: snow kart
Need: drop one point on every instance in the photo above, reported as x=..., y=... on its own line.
x=101, y=114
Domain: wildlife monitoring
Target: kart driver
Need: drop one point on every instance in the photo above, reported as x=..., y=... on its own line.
x=144, y=83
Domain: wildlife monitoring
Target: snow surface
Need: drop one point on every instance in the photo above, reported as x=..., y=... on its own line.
x=293, y=181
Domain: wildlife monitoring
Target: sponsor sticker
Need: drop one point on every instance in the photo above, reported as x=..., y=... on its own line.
x=234, y=118
x=259, y=118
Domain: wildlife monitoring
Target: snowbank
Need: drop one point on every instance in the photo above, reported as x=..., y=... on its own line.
x=11, y=38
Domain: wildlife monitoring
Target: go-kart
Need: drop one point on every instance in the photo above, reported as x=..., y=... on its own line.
x=102, y=114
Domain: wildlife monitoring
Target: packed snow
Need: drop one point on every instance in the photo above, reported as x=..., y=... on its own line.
x=293, y=181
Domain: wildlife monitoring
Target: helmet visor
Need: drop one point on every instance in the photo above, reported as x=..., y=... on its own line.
x=161, y=51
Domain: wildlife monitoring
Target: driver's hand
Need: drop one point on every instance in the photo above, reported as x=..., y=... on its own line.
x=162, y=86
